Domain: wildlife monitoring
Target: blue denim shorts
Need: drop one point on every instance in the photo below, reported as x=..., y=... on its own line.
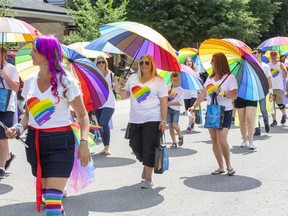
x=7, y=119
x=172, y=116
x=227, y=119
x=56, y=153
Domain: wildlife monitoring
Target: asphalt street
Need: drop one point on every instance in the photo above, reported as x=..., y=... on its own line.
x=260, y=186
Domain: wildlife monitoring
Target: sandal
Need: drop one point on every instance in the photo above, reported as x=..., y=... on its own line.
x=230, y=171
x=217, y=172
x=180, y=142
x=173, y=146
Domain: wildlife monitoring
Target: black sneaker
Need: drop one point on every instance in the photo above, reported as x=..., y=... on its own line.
x=2, y=174
x=283, y=119
x=274, y=123
x=267, y=127
x=8, y=162
x=257, y=132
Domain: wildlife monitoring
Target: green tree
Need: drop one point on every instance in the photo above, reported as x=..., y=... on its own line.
x=90, y=15
x=183, y=22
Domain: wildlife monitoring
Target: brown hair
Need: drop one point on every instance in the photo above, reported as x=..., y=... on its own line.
x=153, y=72
x=193, y=64
x=220, y=65
x=4, y=51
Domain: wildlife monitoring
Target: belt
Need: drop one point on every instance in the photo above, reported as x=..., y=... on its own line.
x=39, y=169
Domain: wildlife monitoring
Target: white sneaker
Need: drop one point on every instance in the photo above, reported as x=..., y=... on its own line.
x=146, y=184
x=244, y=144
x=252, y=146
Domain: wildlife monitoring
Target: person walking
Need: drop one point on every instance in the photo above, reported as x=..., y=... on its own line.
x=148, y=110
x=278, y=73
x=9, y=80
x=105, y=112
x=190, y=96
x=225, y=95
x=175, y=100
x=50, y=139
x=258, y=55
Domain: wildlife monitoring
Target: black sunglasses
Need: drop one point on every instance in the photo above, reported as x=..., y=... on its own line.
x=254, y=53
x=99, y=62
x=146, y=63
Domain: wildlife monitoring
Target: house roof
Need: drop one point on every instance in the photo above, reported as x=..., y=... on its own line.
x=33, y=11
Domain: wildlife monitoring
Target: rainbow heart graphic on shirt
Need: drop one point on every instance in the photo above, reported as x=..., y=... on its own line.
x=40, y=110
x=141, y=93
x=171, y=96
x=275, y=72
x=210, y=89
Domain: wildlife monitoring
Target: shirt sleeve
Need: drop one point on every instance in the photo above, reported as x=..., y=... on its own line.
x=72, y=90
x=232, y=83
x=162, y=90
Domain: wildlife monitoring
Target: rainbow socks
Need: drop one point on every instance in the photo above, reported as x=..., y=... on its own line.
x=53, y=200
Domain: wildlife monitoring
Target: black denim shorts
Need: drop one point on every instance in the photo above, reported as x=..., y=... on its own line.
x=56, y=153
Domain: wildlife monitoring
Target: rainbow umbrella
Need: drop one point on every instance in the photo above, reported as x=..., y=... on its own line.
x=14, y=30
x=23, y=62
x=80, y=47
x=252, y=82
x=279, y=44
x=136, y=39
x=188, y=51
x=188, y=79
x=94, y=87
x=101, y=44
x=238, y=43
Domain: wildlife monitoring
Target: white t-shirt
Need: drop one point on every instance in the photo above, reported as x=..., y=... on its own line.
x=46, y=110
x=228, y=85
x=276, y=75
x=111, y=97
x=145, y=98
x=176, y=95
x=11, y=72
x=266, y=69
x=188, y=94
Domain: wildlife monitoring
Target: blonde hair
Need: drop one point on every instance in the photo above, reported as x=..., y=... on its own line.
x=104, y=59
x=153, y=72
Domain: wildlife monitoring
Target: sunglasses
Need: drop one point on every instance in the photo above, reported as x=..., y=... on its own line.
x=254, y=53
x=101, y=62
x=146, y=63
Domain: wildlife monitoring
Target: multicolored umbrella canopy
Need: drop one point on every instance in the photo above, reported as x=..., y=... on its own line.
x=188, y=79
x=278, y=43
x=101, y=44
x=238, y=43
x=188, y=51
x=252, y=82
x=136, y=39
x=15, y=30
x=23, y=62
x=94, y=87
x=80, y=47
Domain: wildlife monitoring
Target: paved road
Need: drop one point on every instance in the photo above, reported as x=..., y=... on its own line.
x=260, y=186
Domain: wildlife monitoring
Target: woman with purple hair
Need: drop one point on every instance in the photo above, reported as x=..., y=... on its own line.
x=50, y=138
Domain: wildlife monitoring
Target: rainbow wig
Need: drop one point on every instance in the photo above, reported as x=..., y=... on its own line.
x=49, y=47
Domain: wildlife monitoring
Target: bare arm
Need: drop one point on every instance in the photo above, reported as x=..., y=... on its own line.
x=12, y=84
x=163, y=109
x=201, y=96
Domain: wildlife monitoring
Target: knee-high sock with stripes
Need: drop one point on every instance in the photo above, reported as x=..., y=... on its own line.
x=53, y=198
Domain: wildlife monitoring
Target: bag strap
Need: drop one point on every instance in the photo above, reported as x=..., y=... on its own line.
x=111, y=80
x=214, y=96
x=2, y=82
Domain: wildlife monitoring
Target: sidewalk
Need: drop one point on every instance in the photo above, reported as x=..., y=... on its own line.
x=260, y=186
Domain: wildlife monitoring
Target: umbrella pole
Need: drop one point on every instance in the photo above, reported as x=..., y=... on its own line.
x=235, y=66
x=2, y=52
x=132, y=62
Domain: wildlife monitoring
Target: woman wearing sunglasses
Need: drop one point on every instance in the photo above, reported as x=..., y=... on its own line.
x=104, y=113
x=148, y=93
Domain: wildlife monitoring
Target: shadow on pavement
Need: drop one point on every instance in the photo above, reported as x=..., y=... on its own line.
x=128, y=198
x=222, y=183
x=178, y=152
x=241, y=150
x=101, y=161
x=278, y=129
x=4, y=188
x=262, y=137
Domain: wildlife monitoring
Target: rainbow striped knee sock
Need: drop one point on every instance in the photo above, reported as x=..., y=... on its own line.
x=53, y=199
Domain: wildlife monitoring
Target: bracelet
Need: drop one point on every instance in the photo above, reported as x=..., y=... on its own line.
x=20, y=129
x=163, y=121
x=83, y=140
x=223, y=93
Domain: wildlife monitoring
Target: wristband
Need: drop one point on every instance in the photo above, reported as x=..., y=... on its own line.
x=223, y=93
x=163, y=121
x=83, y=140
x=20, y=129
x=270, y=91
